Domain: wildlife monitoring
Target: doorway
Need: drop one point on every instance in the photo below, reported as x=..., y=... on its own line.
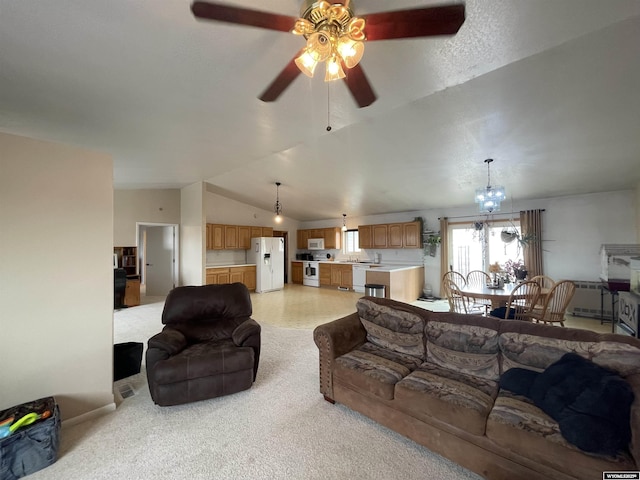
x=157, y=249
x=285, y=235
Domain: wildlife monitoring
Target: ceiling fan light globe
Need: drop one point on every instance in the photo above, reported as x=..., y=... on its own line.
x=306, y=63
x=350, y=51
x=334, y=70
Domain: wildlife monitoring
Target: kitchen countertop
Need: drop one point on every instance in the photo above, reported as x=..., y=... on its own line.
x=378, y=267
x=229, y=266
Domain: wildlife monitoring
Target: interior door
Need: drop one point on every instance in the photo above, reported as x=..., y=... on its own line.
x=159, y=260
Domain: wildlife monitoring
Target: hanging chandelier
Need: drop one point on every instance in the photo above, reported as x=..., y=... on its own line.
x=334, y=36
x=277, y=207
x=344, y=222
x=489, y=197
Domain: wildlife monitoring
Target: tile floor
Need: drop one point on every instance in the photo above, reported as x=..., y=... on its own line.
x=303, y=307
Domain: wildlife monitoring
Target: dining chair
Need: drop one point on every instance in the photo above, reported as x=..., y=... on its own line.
x=454, y=277
x=457, y=301
x=478, y=279
x=546, y=284
x=556, y=303
x=522, y=301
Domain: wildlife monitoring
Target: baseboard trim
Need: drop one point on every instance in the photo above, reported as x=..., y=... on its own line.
x=92, y=415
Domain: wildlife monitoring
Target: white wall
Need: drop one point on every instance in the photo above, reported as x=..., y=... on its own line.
x=192, y=235
x=56, y=290
x=638, y=213
x=144, y=206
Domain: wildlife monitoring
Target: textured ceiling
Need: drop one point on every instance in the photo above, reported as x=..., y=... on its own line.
x=547, y=88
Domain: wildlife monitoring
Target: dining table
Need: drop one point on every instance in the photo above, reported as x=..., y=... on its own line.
x=497, y=295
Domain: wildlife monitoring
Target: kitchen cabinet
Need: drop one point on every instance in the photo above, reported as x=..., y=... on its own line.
x=244, y=237
x=332, y=238
x=230, y=237
x=411, y=235
x=267, y=231
x=316, y=233
x=215, y=236
x=325, y=275
x=241, y=274
x=342, y=276
x=301, y=239
x=364, y=236
x=395, y=233
x=132, y=292
x=379, y=236
x=296, y=272
x=392, y=235
x=256, y=232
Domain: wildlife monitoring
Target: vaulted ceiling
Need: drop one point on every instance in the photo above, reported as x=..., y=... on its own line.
x=547, y=88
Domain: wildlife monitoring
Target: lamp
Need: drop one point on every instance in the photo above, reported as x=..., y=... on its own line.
x=344, y=222
x=278, y=206
x=334, y=36
x=489, y=198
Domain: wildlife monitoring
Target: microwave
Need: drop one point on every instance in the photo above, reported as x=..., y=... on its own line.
x=315, y=244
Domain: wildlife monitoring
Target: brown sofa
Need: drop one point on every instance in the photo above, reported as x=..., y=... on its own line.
x=435, y=378
x=209, y=346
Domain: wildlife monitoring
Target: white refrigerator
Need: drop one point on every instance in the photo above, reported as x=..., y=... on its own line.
x=268, y=255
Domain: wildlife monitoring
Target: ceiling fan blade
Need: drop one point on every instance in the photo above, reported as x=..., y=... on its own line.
x=359, y=86
x=243, y=16
x=282, y=81
x=418, y=22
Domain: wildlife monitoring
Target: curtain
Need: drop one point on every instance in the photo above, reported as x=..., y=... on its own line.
x=531, y=227
x=444, y=249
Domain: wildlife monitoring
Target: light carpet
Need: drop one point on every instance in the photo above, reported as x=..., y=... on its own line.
x=281, y=428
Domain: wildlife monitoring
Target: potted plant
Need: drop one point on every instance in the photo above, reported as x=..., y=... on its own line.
x=431, y=244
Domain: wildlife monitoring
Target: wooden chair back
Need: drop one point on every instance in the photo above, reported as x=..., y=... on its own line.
x=557, y=301
x=478, y=278
x=522, y=300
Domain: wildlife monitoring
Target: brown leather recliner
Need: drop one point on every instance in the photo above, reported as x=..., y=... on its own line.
x=209, y=347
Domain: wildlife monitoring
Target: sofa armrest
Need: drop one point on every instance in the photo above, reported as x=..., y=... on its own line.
x=169, y=340
x=248, y=334
x=334, y=339
x=634, y=447
x=243, y=332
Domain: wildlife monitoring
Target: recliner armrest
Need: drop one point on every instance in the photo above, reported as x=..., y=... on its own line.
x=169, y=340
x=244, y=331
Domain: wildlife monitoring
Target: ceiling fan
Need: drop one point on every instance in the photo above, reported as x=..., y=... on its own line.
x=336, y=37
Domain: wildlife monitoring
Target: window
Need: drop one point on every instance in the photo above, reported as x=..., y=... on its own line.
x=475, y=246
x=350, y=242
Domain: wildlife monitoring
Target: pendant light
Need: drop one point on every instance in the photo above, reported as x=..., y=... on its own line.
x=488, y=198
x=277, y=208
x=344, y=222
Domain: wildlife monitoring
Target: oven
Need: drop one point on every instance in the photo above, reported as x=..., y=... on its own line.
x=311, y=274
x=628, y=312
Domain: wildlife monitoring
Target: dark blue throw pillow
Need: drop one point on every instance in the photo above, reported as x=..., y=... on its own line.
x=518, y=380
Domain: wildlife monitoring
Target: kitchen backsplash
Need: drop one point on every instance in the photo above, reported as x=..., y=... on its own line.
x=226, y=257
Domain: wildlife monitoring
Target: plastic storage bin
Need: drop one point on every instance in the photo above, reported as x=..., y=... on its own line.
x=32, y=447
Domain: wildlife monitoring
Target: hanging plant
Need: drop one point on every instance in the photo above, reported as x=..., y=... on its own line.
x=508, y=236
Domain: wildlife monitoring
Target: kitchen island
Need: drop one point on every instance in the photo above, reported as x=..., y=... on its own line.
x=402, y=282
x=243, y=273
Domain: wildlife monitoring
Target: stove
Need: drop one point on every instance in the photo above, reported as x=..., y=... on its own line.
x=311, y=273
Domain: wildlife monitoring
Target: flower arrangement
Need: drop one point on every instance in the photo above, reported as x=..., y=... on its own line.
x=495, y=268
x=515, y=269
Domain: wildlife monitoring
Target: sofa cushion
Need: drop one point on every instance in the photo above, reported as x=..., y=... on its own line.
x=373, y=370
x=516, y=424
x=456, y=398
x=204, y=360
x=392, y=328
x=466, y=348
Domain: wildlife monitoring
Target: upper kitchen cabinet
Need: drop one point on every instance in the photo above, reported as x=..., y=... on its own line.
x=392, y=235
x=234, y=237
x=365, y=239
x=302, y=236
x=379, y=236
x=332, y=238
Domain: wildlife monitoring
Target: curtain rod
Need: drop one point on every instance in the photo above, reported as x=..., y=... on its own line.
x=491, y=214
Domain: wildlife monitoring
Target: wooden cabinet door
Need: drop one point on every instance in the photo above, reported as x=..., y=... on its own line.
x=132, y=292
x=210, y=277
x=316, y=233
x=217, y=237
x=379, y=235
x=411, y=235
x=230, y=237
x=332, y=237
x=302, y=236
x=364, y=236
x=256, y=232
x=336, y=275
x=394, y=235
x=250, y=278
x=347, y=276
x=325, y=274
x=296, y=272
x=236, y=274
x=209, y=238
x=223, y=278
x=267, y=231
x=244, y=238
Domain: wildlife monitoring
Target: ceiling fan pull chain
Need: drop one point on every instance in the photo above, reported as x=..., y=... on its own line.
x=328, y=106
